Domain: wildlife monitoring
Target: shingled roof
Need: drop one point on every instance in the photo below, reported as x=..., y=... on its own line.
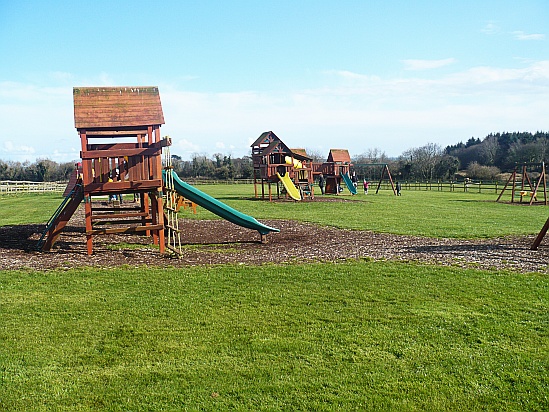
x=111, y=107
x=339, y=156
x=301, y=154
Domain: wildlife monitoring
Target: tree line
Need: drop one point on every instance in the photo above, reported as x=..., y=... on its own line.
x=479, y=159
x=219, y=167
x=485, y=159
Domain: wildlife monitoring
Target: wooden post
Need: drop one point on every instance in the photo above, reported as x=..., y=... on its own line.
x=89, y=228
x=540, y=236
x=513, y=175
x=145, y=208
x=544, y=183
x=154, y=216
x=255, y=186
x=160, y=221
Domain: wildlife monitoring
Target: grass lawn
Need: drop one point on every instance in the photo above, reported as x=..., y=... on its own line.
x=421, y=213
x=351, y=336
x=359, y=335
x=23, y=209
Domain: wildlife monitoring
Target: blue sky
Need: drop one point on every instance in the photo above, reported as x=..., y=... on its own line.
x=359, y=75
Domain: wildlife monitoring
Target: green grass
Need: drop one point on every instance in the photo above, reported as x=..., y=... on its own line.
x=421, y=213
x=28, y=208
x=352, y=336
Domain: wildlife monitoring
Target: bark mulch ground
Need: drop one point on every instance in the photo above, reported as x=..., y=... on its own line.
x=209, y=242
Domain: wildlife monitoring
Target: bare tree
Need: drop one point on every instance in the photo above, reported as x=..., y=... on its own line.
x=316, y=155
x=423, y=160
x=489, y=150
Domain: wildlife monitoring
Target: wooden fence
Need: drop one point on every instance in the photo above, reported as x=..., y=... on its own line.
x=10, y=186
x=13, y=187
x=470, y=186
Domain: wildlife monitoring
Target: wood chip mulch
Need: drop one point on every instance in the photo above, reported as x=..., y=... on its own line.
x=210, y=242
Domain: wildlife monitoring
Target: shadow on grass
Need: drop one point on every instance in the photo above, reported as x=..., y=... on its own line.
x=25, y=237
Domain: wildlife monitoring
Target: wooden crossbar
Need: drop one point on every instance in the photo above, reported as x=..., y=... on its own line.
x=123, y=230
x=109, y=216
x=122, y=222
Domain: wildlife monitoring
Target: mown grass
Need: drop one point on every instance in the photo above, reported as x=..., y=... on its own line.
x=22, y=209
x=420, y=213
x=349, y=336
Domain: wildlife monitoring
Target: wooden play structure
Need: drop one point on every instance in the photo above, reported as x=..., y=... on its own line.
x=275, y=163
x=384, y=174
x=119, y=129
x=333, y=169
x=527, y=184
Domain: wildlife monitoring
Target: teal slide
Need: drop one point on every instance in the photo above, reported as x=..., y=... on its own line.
x=349, y=183
x=215, y=206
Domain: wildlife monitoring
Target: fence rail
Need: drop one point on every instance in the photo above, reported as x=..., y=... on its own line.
x=13, y=187
x=470, y=186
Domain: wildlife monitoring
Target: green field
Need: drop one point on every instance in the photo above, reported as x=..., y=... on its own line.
x=359, y=335
x=422, y=213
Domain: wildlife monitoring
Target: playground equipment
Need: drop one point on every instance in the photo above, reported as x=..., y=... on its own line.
x=102, y=115
x=105, y=115
x=337, y=165
x=349, y=183
x=385, y=173
x=523, y=188
x=172, y=204
x=540, y=236
x=275, y=163
x=292, y=191
x=219, y=208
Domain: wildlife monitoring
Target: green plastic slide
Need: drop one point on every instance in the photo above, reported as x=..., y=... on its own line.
x=215, y=206
x=349, y=183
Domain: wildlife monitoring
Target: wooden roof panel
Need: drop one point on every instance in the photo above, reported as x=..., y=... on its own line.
x=339, y=156
x=301, y=154
x=97, y=107
x=265, y=138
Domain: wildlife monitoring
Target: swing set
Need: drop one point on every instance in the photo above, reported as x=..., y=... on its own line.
x=522, y=185
x=385, y=173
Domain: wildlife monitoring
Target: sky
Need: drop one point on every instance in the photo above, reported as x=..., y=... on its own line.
x=358, y=75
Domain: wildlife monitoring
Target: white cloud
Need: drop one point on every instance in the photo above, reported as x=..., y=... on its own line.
x=345, y=74
x=520, y=35
x=352, y=110
x=9, y=148
x=491, y=28
x=426, y=64
x=184, y=146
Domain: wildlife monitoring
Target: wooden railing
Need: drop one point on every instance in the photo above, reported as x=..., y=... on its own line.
x=445, y=186
x=13, y=187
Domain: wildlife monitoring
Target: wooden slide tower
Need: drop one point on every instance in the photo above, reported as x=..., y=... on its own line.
x=270, y=156
x=121, y=151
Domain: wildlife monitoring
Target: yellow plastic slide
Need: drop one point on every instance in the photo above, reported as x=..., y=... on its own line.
x=290, y=187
